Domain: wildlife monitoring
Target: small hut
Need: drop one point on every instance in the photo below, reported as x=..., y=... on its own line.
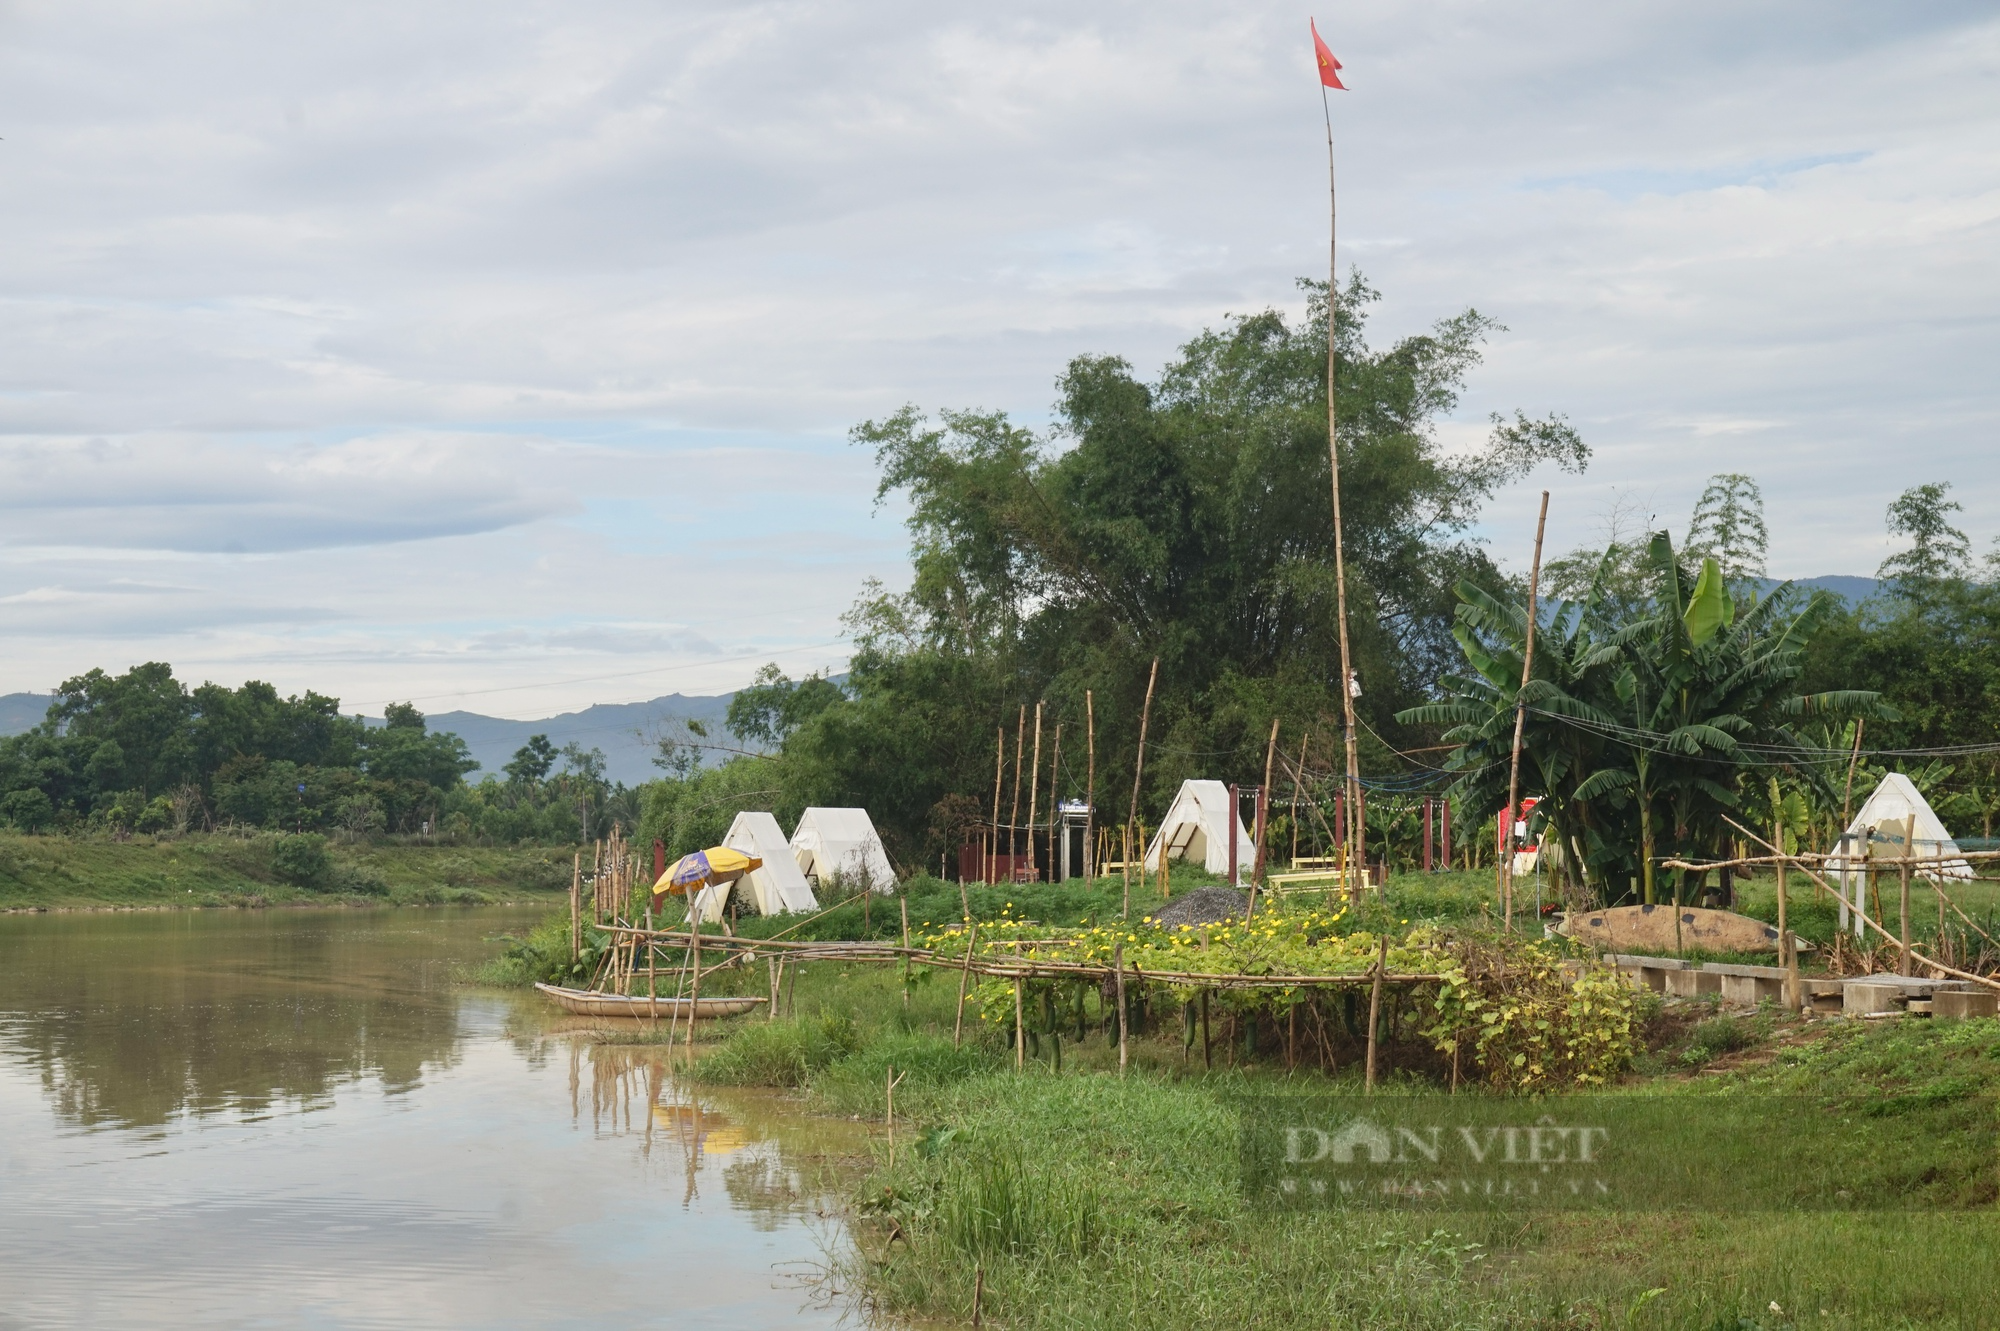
x=1882, y=830
x=842, y=843
x=1196, y=829
x=773, y=889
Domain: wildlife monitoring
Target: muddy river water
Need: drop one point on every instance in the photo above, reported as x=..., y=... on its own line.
x=304, y=1119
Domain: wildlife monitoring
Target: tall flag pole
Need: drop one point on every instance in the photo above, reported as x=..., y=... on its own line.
x=1329, y=77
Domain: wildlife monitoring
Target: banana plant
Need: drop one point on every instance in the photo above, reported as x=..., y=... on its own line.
x=1642, y=732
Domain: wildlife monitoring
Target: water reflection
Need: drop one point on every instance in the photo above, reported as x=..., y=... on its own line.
x=135, y=1020
x=285, y=1119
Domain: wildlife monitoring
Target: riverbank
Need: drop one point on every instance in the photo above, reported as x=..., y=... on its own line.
x=1072, y=1195
x=207, y=871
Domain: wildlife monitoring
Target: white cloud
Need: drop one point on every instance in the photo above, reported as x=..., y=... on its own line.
x=507, y=339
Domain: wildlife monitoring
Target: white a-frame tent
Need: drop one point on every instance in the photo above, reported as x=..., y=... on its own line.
x=843, y=843
x=1881, y=825
x=1196, y=828
x=776, y=888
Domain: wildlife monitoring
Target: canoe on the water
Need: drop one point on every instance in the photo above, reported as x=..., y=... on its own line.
x=587, y=1003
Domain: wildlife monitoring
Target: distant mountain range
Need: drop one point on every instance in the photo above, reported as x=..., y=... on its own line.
x=1851, y=590
x=628, y=733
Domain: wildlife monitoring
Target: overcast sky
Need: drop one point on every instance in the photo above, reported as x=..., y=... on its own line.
x=502, y=355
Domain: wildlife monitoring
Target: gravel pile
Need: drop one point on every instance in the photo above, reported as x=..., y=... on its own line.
x=1204, y=905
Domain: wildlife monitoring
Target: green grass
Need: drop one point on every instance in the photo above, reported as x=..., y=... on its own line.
x=1088, y=1200
x=85, y=872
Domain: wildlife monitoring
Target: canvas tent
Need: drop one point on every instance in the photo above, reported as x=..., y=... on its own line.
x=1880, y=824
x=776, y=888
x=842, y=841
x=1196, y=828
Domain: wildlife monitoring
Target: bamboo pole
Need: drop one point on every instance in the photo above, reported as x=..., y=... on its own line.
x=576, y=908
x=1207, y=1047
x=1846, y=805
x=999, y=770
x=964, y=974
x=1055, y=804
x=1138, y=772
x=1353, y=782
x=1788, y=955
x=904, y=902
x=1034, y=791
x=1089, y=787
x=652, y=977
x=1118, y=970
x=1263, y=816
x=694, y=992
x=1020, y=1031
x=1014, y=813
x=597, y=882
x=1909, y=849
x=1298, y=780
x=1375, y=1011
x=1520, y=720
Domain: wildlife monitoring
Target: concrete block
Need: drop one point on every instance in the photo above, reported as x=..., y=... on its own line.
x=1644, y=977
x=1750, y=990
x=1861, y=998
x=1754, y=972
x=1656, y=963
x=1958, y=1004
x=1693, y=984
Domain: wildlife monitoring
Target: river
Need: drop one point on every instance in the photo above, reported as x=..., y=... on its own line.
x=304, y=1118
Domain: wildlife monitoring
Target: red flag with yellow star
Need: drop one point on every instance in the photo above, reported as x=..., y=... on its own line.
x=1329, y=68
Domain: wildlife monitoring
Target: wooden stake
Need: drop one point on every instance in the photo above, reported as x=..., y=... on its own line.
x=1788, y=956
x=1034, y=790
x=694, y=996
x=1520, y=720
x=904, y=902
x=1055, y=803
x=1089, y=787
x=1138, y=772
x=999, y=768
x=652, y=976
x=978, y=1293
x=1375, y=1011
x=1909, y=849
x=1020, y=1031
x=1014, y=815
x=1207, y=1050
x=576, y=908
x=1118, y=971
x=1353, y=783
x=964, y=974
x=1263, y=818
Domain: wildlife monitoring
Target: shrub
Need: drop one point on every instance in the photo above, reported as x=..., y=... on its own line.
x=1713, y=1038
x=300, y=858
x=781, y=1053
x=1534, y=1021
x=29, y=810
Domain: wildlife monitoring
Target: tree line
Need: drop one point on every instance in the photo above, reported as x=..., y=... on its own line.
x=141, y=751
x=1186, y=519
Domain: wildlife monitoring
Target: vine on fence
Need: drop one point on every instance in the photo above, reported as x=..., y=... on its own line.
x=1525, y=1015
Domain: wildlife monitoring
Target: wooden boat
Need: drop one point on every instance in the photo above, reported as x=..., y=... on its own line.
x=590, y=1003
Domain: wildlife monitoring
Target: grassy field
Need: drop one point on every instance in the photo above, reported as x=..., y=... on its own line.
x=1086, y=1199
x=69, y=873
